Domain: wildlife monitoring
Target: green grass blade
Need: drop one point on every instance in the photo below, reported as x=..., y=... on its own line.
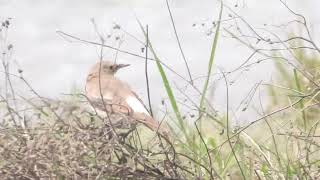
x=211, y=60
x=166, y=84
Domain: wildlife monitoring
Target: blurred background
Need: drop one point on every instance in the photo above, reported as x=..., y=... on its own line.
x=55, y=65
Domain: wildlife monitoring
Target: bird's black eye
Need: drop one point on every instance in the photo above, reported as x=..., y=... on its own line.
x=110, y=67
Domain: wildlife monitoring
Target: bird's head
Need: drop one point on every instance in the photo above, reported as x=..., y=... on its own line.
x=106, y=67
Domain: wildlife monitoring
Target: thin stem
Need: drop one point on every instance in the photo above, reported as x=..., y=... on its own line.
x=178, y=41
x=228, y=136
x=146, y=71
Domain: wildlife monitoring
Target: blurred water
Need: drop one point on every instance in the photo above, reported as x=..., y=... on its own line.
x=54, y=65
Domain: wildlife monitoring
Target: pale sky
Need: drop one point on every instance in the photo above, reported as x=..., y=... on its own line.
x=53, y=65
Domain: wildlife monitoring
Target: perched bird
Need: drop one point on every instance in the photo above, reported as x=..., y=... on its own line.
x=117, y=95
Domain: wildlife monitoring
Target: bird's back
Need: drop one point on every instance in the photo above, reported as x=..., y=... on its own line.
x=111, y=87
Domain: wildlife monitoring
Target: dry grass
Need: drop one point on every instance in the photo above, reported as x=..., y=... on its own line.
x=81, y=145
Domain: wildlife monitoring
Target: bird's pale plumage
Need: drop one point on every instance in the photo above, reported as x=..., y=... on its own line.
x=101, y=82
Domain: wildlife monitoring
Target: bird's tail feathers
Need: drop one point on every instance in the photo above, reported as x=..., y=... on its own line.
x=151, y=123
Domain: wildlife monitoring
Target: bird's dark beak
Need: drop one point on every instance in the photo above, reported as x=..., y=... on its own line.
x=119, y=66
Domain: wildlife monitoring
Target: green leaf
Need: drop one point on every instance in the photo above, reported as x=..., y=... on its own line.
x=211, y=60
x=166, y=84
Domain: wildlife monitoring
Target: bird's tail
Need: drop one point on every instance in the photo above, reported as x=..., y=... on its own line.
x=152, y=124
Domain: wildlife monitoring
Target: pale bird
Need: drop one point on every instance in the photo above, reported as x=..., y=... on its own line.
x=117, y=95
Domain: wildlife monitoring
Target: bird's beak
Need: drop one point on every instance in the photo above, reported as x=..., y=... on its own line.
x=119, y=66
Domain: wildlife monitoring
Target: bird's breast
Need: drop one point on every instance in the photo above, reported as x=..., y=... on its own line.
x=95, y=88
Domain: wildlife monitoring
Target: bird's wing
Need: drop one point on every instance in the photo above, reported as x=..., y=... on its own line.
x=137, y=104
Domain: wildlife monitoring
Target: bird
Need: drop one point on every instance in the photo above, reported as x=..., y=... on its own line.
x=116, y=95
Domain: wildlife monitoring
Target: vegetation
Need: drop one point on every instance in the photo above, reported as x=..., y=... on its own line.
x=42, y=138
